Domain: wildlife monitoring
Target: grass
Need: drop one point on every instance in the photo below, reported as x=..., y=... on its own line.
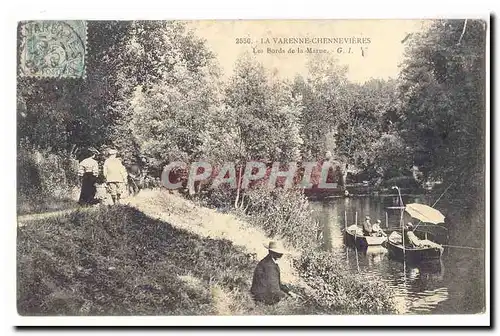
x=118, y=261
x=163, y=255
x=38, y=204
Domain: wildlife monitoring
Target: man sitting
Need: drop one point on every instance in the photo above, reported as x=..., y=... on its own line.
x=377, y=230
x=412, y=240
x=266, y=284
x=367, y=226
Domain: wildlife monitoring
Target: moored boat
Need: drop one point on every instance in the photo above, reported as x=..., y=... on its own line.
x=417, y=250
x=412, y=254
x=354, y=237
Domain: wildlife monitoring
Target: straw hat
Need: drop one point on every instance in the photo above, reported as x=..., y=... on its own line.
x=275, y=247
x=367, y=217
x=93, y=150
x=112, y=151
x=379, y=221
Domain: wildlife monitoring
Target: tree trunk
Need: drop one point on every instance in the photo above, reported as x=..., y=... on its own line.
x=344, y=177
x=238, y=186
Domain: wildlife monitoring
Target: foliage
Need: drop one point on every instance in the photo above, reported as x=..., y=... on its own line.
x=442, y=91
x=283, y=213
x=175, y=102
x=336, y=289
x=321, y=93
x=352, y=121
x=267, y=115
x=390, y=156
x=44, y=179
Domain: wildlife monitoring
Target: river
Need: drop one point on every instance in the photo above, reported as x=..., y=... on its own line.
x=453, y=285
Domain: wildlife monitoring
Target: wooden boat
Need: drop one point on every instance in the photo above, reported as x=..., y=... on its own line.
x=411, y=253
x=353, y=238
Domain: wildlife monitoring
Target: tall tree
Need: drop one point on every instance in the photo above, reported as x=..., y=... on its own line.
x=322, y=92
x=60, y=114
x=267, y=115
x=443, y=96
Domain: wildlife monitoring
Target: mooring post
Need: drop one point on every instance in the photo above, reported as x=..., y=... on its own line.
x=345, y=219
x=356, y=218
x=386, y=220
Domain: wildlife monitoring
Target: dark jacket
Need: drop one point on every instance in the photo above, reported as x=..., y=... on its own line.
x=266, y=284
x=367, y=228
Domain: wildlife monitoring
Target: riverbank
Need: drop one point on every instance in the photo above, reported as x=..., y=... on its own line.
x=163, y=255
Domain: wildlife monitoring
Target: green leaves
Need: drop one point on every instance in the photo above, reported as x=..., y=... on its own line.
x=442, y=94
x=266, y=113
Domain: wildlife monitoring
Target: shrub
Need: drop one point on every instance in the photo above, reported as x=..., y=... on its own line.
x=44, y=179
x=283, y=213
x=336, y=290
x=219, y=198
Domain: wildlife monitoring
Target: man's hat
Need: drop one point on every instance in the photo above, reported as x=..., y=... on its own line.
x=379, y=221
x=93, y=150
x=275, y=247
x=367, y=217
x=112, y=151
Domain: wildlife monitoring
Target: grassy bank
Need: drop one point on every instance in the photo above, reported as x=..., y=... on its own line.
x=163, y=255
x=119, y=261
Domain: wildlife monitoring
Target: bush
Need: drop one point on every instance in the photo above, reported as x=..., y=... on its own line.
x=283, y=213
x=44, y=179
x=219, y=198
x=337, y=291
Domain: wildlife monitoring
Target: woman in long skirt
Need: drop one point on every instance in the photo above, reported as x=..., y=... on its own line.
x=88, y=171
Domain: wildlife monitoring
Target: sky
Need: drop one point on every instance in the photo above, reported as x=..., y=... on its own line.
x=382, y=48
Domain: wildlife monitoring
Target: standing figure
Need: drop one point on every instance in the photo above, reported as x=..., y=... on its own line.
x=88, y=171
x=115, y=174
x=134, y=179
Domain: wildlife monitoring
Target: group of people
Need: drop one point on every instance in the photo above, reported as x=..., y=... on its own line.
x=370, y=229
x=114, y=173
x=409, y=235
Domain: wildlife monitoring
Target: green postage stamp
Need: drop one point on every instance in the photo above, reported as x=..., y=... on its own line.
x=53, y=49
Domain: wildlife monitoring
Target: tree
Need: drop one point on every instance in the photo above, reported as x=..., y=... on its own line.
x=267, y=115
x=175, y=104
x=442, y=92
x=63, y=114
x=322, y=93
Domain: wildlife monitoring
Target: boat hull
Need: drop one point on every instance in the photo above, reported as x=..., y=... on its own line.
x=414, y=255
x=362, y=241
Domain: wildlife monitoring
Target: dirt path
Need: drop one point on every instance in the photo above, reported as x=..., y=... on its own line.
x=184, y=214
x=205, y=222
x=22, y=220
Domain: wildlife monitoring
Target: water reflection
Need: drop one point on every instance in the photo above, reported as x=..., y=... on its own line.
x=449, y=285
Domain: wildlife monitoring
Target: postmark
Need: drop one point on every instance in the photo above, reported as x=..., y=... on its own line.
x=53, y=49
